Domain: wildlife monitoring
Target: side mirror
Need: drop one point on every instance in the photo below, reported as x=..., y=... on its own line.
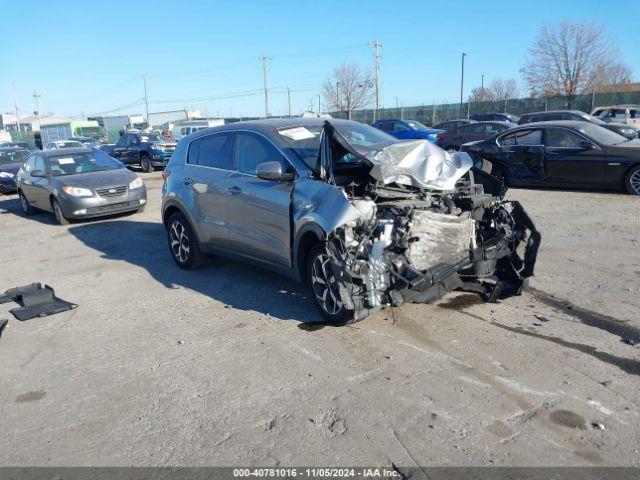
x=37, y=173
x=585, y=144
x=272, y=171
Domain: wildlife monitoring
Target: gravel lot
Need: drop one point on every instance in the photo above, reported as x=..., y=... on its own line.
x=158, y=366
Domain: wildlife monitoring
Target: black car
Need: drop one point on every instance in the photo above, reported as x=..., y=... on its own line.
x=493, y=117
x=24, y=145
x=448, y=125
x=11, y=159
x=561, y=154
x=554, y=115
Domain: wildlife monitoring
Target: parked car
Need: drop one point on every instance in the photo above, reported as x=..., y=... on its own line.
x=627, y=114
x=362, y=218
x=448, y=125
x=87, y=141
x=562, y=154
x=452, y=139
x=58, y=144
x=553, y=115
x=149, y=150
x=495, y=117
x=11, y=159
x=407, y=129
x=23, y=145
x=78, y=183
x=187, y=128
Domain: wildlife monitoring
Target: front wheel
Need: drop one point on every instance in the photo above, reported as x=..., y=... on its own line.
x=632, y=182
x=57, y=211
x=324, y=289
x=145, y=163
x=183, y=243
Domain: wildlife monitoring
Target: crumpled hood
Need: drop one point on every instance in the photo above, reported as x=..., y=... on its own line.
x=419, y=163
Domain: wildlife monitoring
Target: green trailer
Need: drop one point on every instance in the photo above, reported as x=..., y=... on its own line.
x=74, y=128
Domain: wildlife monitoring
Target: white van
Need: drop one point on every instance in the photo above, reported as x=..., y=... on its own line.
x=186, y=128
x=629, y=114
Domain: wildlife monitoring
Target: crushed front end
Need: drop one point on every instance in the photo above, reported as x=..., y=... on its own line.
x=408, y=243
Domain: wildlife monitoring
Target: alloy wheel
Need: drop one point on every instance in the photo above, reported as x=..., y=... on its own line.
x=634, y=181
x=325, y=286
x=179, y=241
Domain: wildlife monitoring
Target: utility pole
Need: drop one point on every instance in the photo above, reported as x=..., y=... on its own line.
x=146, y=102
x=462, y=82
x=396, y=102
x=266, y=91
x=15, y=105
x=37, y=96
x=319, y=110
x=289, y=98
x=377, y=44
x=482, y=85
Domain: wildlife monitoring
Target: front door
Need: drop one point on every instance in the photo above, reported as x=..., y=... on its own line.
x=40, y=185
x=573, y=159
x=521, y=153
x=259, y=210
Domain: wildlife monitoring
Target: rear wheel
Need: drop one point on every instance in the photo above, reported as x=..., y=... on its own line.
x=57, y=211
x=632, y=182
x=183, y=243
x=145, y=163
x=24, y=203
x=323, y=287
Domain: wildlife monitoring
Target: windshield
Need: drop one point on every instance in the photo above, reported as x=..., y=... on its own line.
x=417, y=125
x=304, y=141
x=71, y=164
x=68, y=144
x=151, y=137
x=15, y=156
x=601, y=134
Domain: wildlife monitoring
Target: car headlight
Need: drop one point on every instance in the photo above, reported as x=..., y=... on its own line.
x=77, y=191
x=157, y=146
x=6, y=175
x=137, y=183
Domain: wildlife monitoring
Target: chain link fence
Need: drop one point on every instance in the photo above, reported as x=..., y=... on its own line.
x=436, y=113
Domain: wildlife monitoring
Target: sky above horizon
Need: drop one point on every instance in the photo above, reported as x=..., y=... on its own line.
x=89, y=57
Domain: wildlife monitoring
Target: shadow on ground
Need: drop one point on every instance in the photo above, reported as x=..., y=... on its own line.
x=235, y=284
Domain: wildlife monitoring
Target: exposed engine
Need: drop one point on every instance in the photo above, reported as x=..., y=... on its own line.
x=414, y=245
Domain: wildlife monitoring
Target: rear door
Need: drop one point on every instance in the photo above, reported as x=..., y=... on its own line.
x=206, y=173
x=522, y=154
x=132, y=151
x=120, y=148
x=469, y=133
x=259, y=210
x=568, y=160
x=402, y=130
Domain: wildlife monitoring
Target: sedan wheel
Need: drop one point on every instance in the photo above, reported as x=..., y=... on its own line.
x=633, y=181
x=24, y=203
x=62, y=220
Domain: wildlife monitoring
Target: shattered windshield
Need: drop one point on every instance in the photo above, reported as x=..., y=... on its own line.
x=304, y=141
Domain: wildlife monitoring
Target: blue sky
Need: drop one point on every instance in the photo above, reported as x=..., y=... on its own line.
x=89, y=57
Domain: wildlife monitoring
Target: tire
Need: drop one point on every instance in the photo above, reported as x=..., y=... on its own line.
x=183, y=244
x=325, y=297
x=27, y=209
x=57, y=211
x=145, y=163
x=632, y=182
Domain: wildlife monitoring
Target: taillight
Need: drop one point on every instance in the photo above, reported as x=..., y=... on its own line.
x=440, y=137
x=165, y=174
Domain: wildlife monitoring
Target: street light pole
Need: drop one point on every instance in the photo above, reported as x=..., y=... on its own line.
x=462, y=82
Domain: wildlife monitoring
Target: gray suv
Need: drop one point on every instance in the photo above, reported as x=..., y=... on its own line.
x=363, y=219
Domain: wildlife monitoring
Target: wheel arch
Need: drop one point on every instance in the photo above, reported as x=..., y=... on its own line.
x=308, y=236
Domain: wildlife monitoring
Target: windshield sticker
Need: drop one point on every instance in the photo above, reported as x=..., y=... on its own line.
x=66, y=161
x=297, y=133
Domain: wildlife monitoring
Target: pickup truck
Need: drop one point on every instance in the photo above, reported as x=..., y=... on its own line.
x=148, y=150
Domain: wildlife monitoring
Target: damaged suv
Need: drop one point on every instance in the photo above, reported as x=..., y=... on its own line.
x=363, y=219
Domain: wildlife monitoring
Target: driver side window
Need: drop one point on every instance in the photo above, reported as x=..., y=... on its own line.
x=561, y=138
x=400, y=127
x=253, y=149
x=40, y=164
x=28, y=165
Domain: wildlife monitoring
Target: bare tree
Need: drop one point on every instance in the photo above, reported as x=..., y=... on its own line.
x=568, y=59
x=480, y=94
x=347, y=88
x=609, y=78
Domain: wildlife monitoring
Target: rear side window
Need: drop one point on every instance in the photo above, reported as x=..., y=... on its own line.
x=212, y=151
x=253, y=149
x=494, y=129
x=471, y=129
x=522, y=137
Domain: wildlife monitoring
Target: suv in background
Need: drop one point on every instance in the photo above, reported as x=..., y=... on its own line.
x=495, y=117
x=407, y=129
x=627, y=131
x=629, y=114
x=149, y=150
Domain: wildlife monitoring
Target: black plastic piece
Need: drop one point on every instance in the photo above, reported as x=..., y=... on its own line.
x=3, y=323
x=36, y=301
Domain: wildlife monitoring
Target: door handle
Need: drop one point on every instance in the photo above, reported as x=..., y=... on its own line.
x=187, y=180
x=234, y=190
